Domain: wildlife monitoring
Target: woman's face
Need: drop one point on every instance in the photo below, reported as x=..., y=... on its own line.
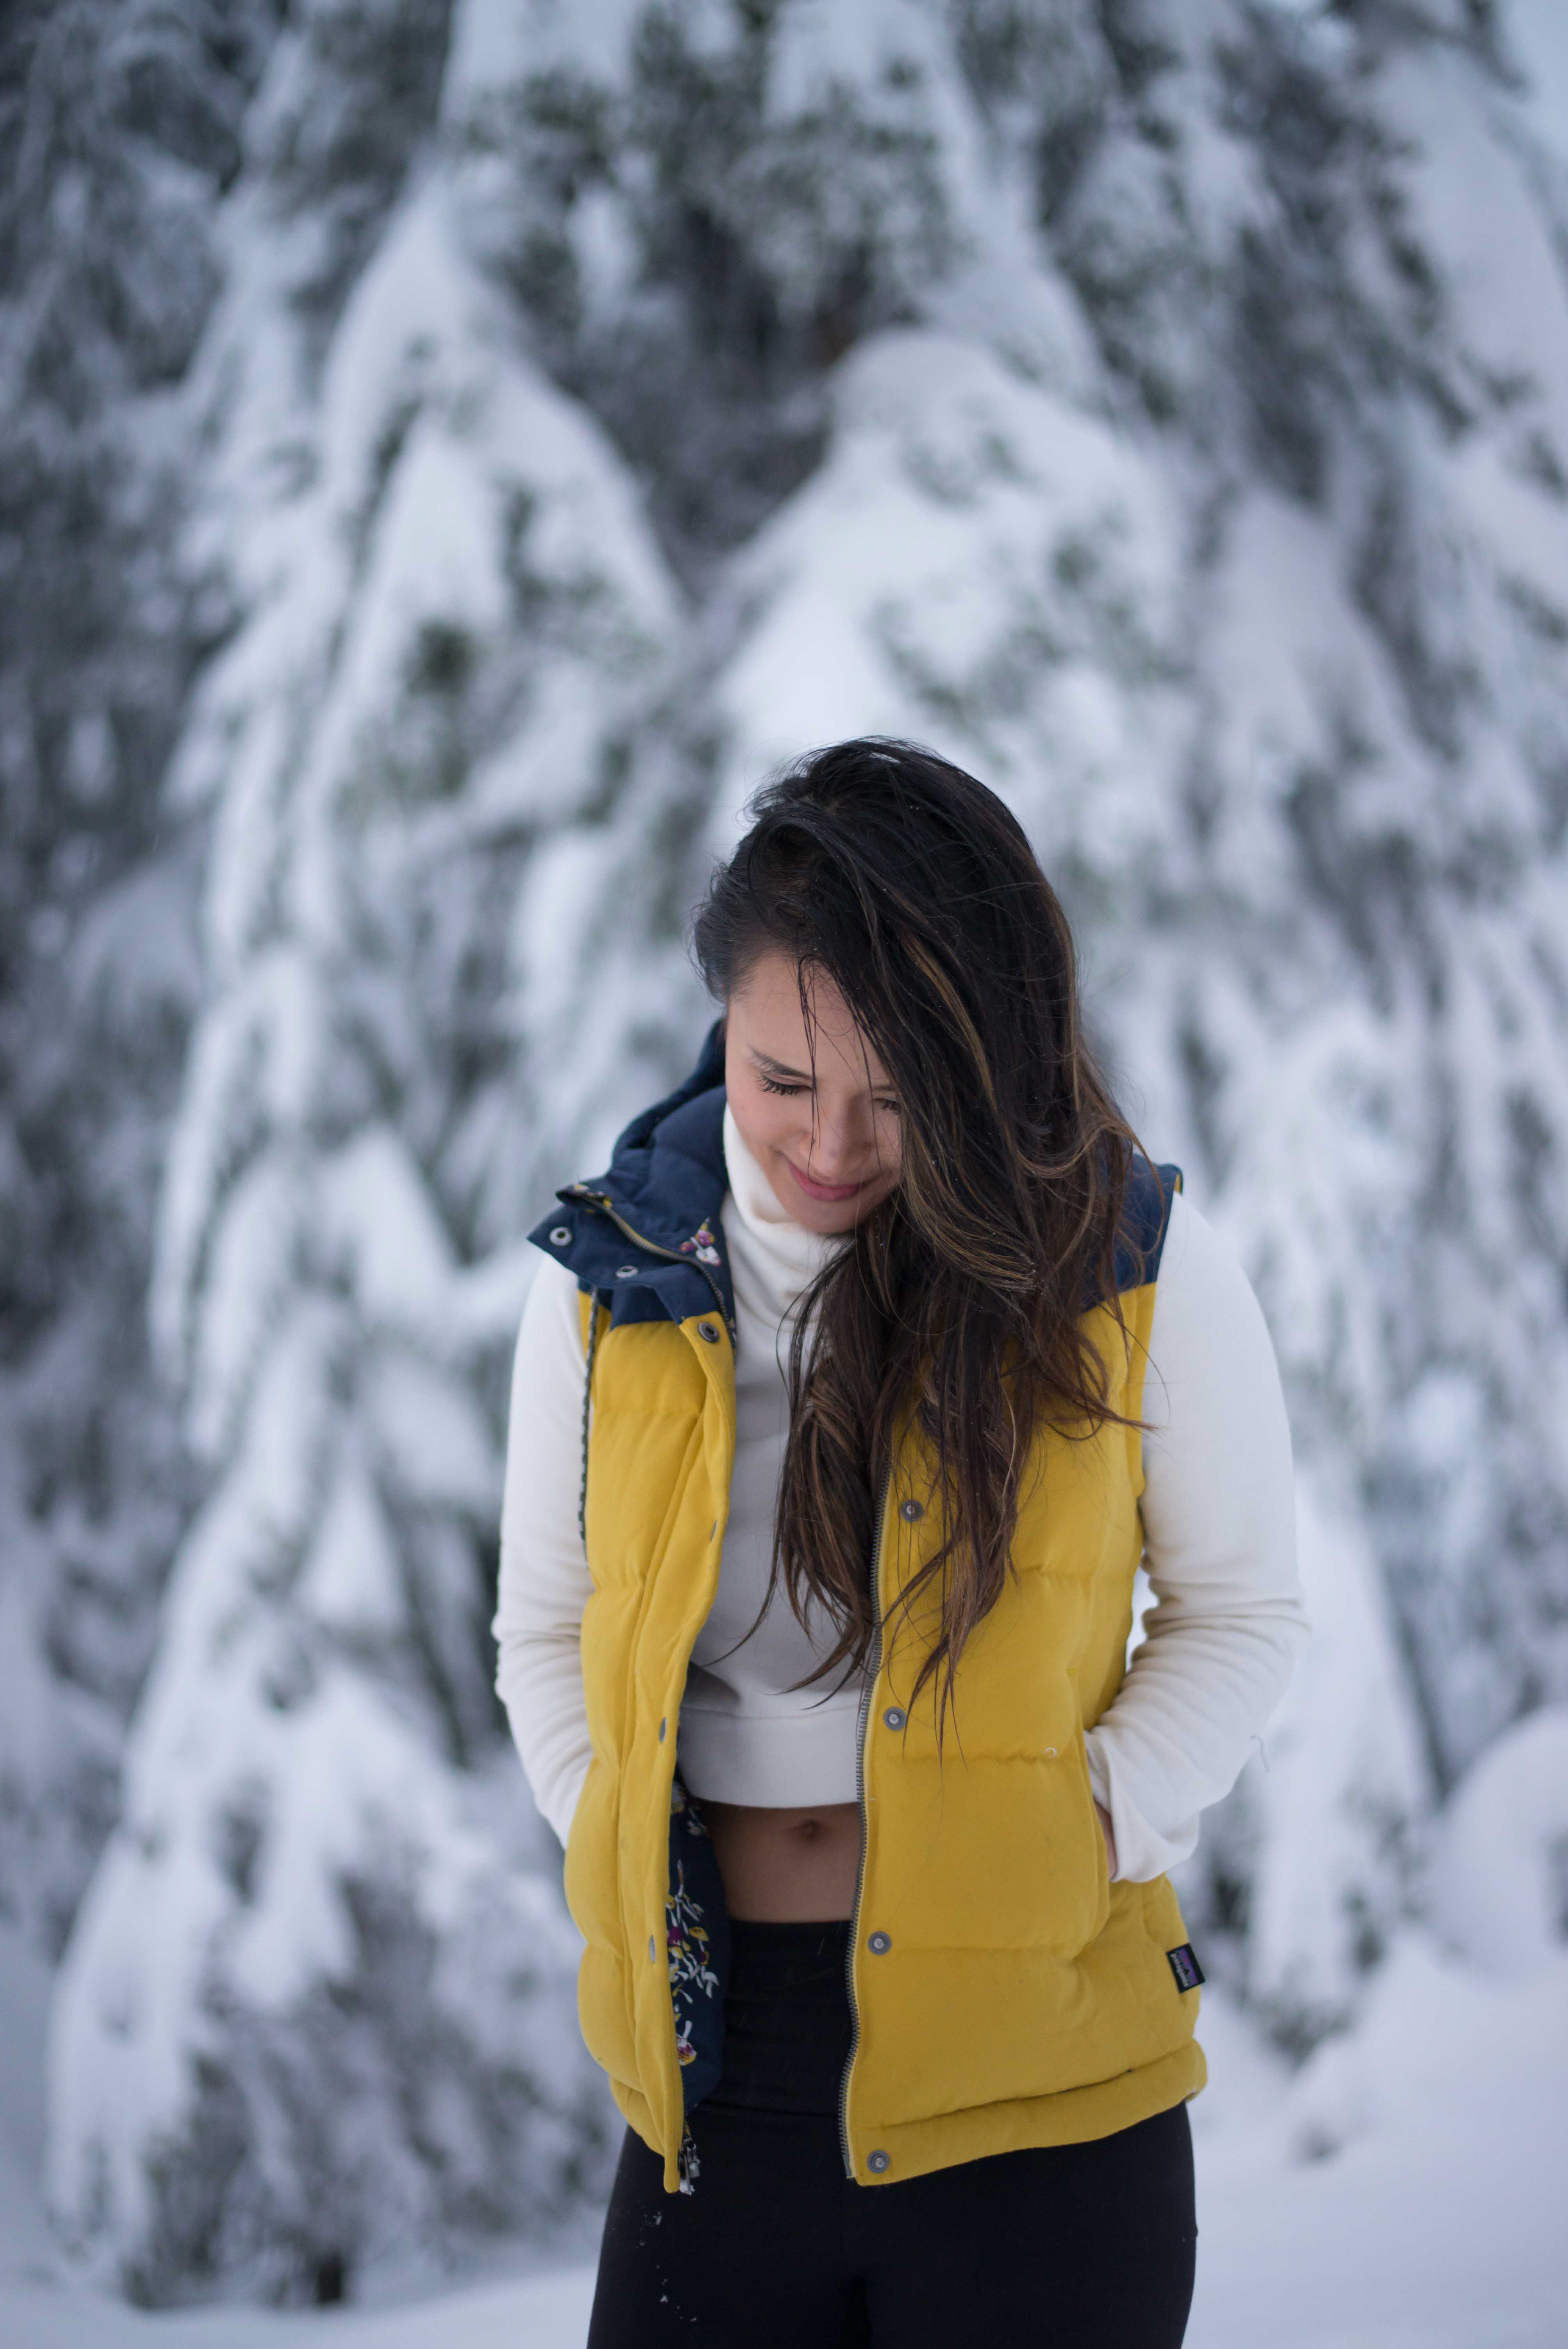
x=827, y=1136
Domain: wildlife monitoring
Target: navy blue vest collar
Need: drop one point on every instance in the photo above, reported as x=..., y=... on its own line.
x=647, y=1233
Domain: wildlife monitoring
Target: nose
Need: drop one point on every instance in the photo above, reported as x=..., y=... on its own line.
x=842, y=1142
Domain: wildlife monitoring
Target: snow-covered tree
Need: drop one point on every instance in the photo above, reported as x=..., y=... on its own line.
x=602, y=402
x=318, y=2007
x=119, y=124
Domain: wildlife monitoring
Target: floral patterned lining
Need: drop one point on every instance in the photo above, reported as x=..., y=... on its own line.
x=702, y=1245
x=697, y=1935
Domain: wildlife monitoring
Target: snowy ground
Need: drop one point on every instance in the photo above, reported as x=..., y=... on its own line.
x=1406, y=2191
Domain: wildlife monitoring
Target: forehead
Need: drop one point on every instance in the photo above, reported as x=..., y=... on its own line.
x=768, y=1022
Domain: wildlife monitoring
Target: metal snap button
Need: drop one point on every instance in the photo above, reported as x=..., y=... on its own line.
x=708, y=1330
x=561, y=1235
x=894, y=1718
x=879, y=2163
x=910, y=1510
x=880, y=1944
x=626, y=1272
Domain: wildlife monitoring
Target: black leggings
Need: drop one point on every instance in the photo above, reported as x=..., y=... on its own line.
x=1059, y=2247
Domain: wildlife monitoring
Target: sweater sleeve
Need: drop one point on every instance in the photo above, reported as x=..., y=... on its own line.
x=1219, y=1521
x=544, y=1582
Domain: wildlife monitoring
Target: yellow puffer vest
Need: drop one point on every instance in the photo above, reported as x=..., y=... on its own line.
x=1005, y=1993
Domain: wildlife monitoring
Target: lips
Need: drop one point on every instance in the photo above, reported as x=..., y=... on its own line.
x=830, y=1193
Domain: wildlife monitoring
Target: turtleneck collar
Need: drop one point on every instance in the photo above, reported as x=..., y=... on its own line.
x=791, y=1254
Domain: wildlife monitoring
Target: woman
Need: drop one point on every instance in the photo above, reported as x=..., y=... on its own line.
x=844, y=1409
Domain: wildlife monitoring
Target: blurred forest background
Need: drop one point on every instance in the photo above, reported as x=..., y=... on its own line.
x=449, y=449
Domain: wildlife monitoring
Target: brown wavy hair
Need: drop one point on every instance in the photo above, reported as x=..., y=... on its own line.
x=959, y=1298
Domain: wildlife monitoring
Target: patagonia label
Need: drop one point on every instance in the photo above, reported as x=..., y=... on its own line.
x=1184, y=1965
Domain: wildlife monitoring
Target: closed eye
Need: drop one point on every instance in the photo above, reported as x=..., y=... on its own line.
x=772, y=1085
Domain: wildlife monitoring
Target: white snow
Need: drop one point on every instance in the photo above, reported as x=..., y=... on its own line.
x=1341, y=1786
x=917, y=585
x=1405, y=2192
x=1499, y=1871
x=1537, y=33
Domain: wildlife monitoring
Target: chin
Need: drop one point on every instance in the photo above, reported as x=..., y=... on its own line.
x=828, y=1220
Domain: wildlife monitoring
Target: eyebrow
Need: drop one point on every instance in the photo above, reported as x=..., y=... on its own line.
x=779, y=1067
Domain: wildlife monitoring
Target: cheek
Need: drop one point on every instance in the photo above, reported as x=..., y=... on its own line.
x=764, y=1119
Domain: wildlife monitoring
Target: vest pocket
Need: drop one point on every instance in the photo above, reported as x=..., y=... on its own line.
x=1082, y=1901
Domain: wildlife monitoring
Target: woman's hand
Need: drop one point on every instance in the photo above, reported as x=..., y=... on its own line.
x=1109, y=1832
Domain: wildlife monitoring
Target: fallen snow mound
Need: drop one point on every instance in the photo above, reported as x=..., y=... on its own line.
x=1499, y=1889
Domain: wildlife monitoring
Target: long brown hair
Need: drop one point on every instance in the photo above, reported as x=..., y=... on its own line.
x=958, y=1300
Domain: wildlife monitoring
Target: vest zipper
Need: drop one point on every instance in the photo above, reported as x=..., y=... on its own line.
x=873, y=1668
x=606, y=1208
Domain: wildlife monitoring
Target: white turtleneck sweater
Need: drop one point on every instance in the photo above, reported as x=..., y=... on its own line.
x=1218, y=1531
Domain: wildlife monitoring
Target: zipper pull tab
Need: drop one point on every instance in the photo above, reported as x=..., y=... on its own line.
x=689, y=2165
